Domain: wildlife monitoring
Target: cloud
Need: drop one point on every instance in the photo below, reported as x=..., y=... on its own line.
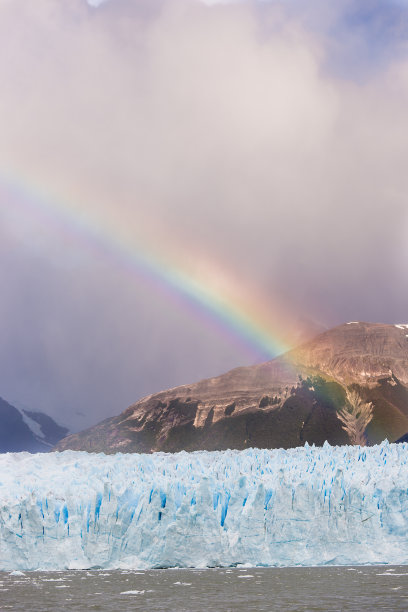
x=96, y=3
x=239, y=140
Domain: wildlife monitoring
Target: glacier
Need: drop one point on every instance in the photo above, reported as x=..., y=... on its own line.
x=303, y=506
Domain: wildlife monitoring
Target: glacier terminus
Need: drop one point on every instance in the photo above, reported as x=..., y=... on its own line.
x=304, y=506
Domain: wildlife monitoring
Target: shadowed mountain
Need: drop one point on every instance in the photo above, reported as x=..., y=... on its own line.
x=285, y=402
x=23, y=430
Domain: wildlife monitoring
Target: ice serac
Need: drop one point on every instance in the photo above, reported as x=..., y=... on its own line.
x=303, y=506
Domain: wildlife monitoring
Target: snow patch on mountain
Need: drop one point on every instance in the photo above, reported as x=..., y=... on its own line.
x=34, y=427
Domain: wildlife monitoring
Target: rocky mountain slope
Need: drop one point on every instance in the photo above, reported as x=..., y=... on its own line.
x=25, y=430
x=285, y=402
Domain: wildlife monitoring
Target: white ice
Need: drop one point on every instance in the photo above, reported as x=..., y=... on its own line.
x=304, y=506
x=33, y=426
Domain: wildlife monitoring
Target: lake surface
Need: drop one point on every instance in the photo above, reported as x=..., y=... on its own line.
x=235, y=589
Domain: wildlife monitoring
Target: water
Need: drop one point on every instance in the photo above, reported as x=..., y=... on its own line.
x=235, y=589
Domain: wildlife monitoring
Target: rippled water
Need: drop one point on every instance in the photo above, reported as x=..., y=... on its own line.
x=235, y=589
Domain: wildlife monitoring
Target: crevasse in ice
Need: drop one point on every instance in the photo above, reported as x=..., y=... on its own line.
x=304, y=506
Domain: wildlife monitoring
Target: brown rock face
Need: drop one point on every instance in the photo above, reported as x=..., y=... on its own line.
x=272, y=404
x=358, y=352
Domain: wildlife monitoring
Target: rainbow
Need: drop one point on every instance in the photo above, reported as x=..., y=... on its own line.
x=236, y=318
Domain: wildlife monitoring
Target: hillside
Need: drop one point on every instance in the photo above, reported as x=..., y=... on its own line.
x=25, y=430
x=285, y=402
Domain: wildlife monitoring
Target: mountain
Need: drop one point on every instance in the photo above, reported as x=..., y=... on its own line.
x=285, y=402
x=25, y=430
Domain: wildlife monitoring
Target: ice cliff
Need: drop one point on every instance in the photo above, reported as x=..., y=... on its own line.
x=304, y=506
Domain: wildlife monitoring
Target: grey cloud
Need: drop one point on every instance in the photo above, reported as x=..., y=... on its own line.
x=225, y=136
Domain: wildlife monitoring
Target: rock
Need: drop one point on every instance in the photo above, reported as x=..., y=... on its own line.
x=286, y=402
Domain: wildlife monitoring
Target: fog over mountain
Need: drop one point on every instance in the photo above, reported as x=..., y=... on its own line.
x=298, y=397
x=257, y=148
x=24, y=430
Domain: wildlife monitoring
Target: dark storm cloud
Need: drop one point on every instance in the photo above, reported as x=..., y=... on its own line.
x=259, y=137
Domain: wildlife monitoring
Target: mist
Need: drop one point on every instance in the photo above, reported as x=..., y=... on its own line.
x=259, y=145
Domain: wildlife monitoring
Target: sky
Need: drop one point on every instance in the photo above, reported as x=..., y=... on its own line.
x=190, y=186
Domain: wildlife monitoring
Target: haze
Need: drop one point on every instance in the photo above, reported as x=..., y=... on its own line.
x=260, y=146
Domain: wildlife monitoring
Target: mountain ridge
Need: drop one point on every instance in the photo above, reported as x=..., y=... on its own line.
x=285, y=402
x=25, y=430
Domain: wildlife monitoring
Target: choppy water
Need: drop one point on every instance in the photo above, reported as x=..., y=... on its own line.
x=235, y=589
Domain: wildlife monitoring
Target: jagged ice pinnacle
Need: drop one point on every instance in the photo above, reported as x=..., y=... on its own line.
x=304, y=506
